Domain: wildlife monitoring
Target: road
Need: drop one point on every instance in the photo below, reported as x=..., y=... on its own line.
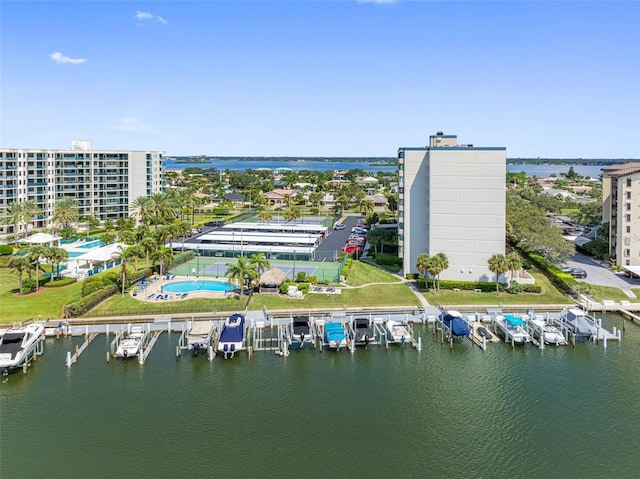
x=601, y=275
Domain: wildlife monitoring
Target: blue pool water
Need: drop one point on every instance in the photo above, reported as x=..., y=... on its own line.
x=199, y=285
x=93, y=244
x=74, y=254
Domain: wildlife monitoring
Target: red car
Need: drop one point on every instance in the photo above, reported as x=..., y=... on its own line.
x=351, y=249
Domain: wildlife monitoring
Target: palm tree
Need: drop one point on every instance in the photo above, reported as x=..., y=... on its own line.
x=366, y=206
x=182, y=229
x=438, y=264
x=422, y=264
x=29, y=211
x=513, y=263
x=161, y=255
x=259, y=262
x=33, y=256
x=241, y=272
x=148, y=244
x=265, y=216
x=123, y=254
x=142, y=209
x=56, y=256
x=498, y=265
x=65, y=212
x=13, y=216
x=19, y=264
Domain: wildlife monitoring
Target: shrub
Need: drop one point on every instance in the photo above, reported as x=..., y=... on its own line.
x=303, y=287
x=384, y=259
x=312, y=279
x=60, y=282
x=110, y=277
x=301, y=276
x=5, y=249
x=284, y=288
x=347, y=267
x=28, y=285
x=91, y=285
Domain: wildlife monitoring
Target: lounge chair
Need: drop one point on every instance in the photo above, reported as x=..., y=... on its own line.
x=166, y=296
x=151, y=296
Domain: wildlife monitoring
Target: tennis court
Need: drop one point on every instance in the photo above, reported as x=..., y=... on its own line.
x=217, y=268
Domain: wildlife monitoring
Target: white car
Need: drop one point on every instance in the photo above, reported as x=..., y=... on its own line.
x=339, y=226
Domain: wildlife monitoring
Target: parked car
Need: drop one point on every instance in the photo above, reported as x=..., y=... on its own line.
x=351, y=249
x=578, y=273
x=339, y=226
x=629, y=274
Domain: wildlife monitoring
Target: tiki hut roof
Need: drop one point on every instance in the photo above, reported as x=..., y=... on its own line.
x=273, y=276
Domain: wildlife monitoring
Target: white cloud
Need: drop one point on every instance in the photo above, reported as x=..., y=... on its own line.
x=146, y=16
x=130, y=124
x=60, y=58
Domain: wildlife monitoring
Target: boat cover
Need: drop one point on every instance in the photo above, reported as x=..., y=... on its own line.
x=334, y=332
x=457, y=326
x=233, y=329
x=513, y=320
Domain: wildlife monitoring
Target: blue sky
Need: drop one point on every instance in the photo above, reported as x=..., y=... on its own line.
x=322, y=78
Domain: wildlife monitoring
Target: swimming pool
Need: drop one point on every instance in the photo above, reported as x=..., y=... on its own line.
x=197, y=285
x=92, y=244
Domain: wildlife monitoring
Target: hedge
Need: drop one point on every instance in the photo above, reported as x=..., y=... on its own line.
x=86, y=303
x=60, y=282
x=6, y=249
x=485, y=287
x=180, y=259
x=384, y=259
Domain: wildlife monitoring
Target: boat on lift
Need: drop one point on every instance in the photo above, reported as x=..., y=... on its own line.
x=301, y=331
x=232, y=336
x=547, y=332
x=17, y=345
x=363, y=332
x=334, y=335
x=399, y=330
x=453, y=324
x=131, y=344
x=199, y=336
x=512, y=328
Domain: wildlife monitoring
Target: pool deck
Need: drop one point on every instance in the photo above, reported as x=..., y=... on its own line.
x=155, y=287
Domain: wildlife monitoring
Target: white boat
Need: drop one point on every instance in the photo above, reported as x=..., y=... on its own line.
x=132, y=343
x=546, y=332
x=16, y=346
x=512, y=329
x=199, y=336
x=232, y=336
x=399, y=330
x=334, y=335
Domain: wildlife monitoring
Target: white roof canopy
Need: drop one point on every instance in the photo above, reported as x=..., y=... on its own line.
x=40, y=238
x=103, y=254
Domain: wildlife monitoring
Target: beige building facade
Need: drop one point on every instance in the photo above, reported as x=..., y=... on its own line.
x=102, y=182
x=451, y=199
x=621, y=209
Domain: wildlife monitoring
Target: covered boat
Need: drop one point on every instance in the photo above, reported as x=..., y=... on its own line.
x=453, y=321
x=232, y=335
x=301, y=330
x=199, y=336
x=513, y=329
x=334, y=335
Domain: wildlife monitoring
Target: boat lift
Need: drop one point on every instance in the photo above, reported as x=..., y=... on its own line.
x=145, y=348
x=576, y=321
x=210, y=329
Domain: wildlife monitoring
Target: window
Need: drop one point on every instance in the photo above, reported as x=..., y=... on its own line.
x=628, y=229
x=627, y=206
x=629, y=182
x=628, y=195
x=628, y=217
x=627, y=252
x=627, y=262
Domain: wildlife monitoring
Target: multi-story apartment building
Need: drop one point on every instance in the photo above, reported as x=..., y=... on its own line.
x=451, y=199
x=103, y=183
x=621, y=209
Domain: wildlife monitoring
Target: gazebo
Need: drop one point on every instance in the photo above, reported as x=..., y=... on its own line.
x=271, y=280
x=42, y=239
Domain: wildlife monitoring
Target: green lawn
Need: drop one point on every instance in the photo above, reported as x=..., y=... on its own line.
x=129, y=306
x=47, y=303
x=373, y=295
x=363, y=273
x=607, y=292
x=549, y=295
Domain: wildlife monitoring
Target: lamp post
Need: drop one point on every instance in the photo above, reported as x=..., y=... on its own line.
x=198, y=262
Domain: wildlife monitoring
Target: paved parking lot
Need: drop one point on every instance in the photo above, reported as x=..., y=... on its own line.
x=601, y=275
x=338, y=238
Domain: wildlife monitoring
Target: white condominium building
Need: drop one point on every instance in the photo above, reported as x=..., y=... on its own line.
x=452, y=200
x=621, y=209
x=103, y=183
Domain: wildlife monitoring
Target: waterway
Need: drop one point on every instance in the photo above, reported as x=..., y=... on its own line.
x=504, y=413
x=540, y=171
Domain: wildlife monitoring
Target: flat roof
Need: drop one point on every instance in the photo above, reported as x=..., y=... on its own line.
x=256, y=237
x=275, y=226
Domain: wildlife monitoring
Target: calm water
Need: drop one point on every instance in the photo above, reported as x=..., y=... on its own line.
x=503, y=413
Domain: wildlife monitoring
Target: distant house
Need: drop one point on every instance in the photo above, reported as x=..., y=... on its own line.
x=235, y=198
x=328, y=201
x=379, y=201
x=278, y=197
x=367, y=181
